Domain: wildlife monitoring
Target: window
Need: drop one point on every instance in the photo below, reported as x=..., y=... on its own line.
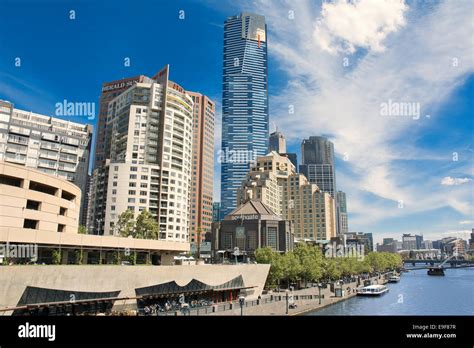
x=62, y=211
x=143, y=193
x=32, y=224
x=61, y=227
x=36, y=186
x=68, y=196
x=10, y=180
x=33, y=205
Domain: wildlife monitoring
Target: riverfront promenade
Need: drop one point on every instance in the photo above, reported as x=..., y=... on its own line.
x=275, y=303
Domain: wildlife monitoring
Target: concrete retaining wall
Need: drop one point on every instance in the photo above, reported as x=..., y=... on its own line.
x=102, y=278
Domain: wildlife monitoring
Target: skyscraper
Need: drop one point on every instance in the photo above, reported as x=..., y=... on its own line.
x=277, y=142
x=341, y=212
x=202, y=185
x=318, y=163
x=244, y=102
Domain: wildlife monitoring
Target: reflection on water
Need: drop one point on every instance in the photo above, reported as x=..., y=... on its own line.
x=415, y=294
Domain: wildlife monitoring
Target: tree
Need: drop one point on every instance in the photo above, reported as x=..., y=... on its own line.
x=56, y=255
x=82, y=229
x=291, y=267
x=125, y=224
x=311, y=260
x=268, y=256
x=198, y=233
x=78, y=257
x=146, y=226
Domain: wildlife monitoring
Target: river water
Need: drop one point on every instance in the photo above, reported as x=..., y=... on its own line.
x=415, y=294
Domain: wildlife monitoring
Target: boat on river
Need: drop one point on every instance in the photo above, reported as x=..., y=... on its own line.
x=372, y=290
x=436, y=271
x=394, y=279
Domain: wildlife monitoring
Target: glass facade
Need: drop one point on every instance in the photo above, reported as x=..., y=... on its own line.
x=244, y=102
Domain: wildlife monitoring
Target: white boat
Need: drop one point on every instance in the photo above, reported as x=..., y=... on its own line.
x=372, y=290
x=394, y=279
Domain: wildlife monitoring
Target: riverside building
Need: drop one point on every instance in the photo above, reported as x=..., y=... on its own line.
x=52, y=145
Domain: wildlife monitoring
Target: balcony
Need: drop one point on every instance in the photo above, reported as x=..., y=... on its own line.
x=17, y=140
x=16, y=149
x=15, y=158
x=49, y=146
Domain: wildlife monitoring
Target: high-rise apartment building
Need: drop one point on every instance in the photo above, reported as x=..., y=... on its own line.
x=110, y=90
x=150, y=158
x=52, y=145
x=274, y=181
x=341, y=212
x=202, y=173
x=277, y=142
x=244, y=102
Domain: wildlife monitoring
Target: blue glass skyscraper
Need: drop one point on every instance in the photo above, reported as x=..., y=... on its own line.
x=244, y=102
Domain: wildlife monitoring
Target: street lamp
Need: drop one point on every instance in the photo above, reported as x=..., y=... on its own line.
x=319, y=288
x=241, y=302
x=287, y=302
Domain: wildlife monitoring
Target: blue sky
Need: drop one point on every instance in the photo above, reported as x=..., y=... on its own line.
x=334, y=63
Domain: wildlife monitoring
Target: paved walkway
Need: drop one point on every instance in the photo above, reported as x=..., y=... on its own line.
x=278, y=307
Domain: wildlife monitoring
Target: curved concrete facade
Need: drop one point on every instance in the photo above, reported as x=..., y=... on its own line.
x=100, y=278
x=30, y=199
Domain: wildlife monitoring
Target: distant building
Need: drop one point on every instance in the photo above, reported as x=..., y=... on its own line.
x=249, y=227
x=277, y=142
x=318, y=163
x=216, y=211
x=427, y=244
x=292, y=157
x=388, y=245
x=457, y=246
x=341, y=212
x=471, y=240
x=412, y=242
x=360, y=238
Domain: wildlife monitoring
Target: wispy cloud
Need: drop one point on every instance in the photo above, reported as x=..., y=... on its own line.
x=337, y=81
x=449, y=181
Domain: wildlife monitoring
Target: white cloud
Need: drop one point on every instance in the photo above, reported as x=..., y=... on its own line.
x=449, y=181
x=346, y=25
x=344, y=103
x=467, y=222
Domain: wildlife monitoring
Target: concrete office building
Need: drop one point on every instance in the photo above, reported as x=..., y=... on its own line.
x=39, y=213
x=244, y=102
x=150, y=159
x=51, y=145
x=274, y=181
x=202, y=174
